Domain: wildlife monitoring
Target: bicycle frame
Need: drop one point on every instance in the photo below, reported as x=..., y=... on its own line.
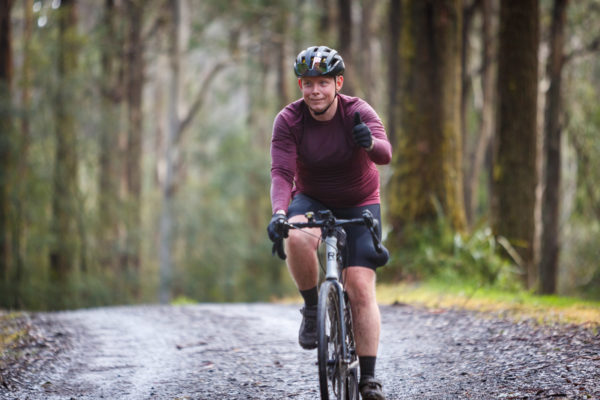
x=332, y=263
x=342, y=366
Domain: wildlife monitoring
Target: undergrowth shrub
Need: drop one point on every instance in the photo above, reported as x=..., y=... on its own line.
x=437, y=251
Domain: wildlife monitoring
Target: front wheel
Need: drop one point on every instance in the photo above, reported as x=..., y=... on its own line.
x=351, y=356
x=330, y=348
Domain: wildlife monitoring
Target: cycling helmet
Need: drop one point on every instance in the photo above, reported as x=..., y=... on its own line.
x=318, y=61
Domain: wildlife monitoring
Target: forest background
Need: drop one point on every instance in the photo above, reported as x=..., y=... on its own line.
x=135, y=135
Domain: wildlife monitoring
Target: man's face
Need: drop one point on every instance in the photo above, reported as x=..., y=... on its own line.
x=319, y=91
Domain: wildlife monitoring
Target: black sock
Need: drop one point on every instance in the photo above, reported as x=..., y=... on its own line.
x=367, y=366
x=311, y=296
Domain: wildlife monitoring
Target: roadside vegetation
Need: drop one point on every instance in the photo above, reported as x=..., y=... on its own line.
x=15, y=335
x=521, y=305
x=441, y=269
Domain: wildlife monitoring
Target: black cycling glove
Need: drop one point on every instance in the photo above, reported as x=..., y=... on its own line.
x=277, y=231
x=362, y=133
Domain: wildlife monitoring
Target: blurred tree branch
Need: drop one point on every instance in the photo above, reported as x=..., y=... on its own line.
x=200, y=98
x=592, y=47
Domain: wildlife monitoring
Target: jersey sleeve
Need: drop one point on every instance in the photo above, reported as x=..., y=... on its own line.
x=283, y=164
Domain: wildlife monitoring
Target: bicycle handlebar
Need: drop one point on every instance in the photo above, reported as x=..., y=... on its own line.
x=328, y=223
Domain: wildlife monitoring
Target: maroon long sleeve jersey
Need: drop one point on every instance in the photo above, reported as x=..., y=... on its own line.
x=321, y=159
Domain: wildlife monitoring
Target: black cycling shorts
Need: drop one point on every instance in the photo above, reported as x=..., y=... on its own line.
x=359, y=249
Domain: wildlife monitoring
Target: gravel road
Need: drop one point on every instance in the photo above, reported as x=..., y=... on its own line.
x=249, y=351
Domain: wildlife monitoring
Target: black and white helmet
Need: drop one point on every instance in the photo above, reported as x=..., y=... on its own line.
x=318, y=61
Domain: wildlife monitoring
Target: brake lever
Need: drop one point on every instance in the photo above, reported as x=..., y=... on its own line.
x=372, y=224
x=376, y=240
x=278, y=248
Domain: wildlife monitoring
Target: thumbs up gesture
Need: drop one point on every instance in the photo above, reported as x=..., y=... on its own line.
x=362, y=133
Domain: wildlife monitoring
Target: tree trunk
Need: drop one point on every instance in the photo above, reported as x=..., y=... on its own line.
x=109, y=162
x=366, y=79
x=427, y=157
x=20, y=224
x=486, y=127
x=175, y=130
x=552, y=137
x=468, y=14
x=133, y=152
x=283, y=95
x=281, y=26
x=345, y=43
x=515, y=176
x=19, y=176
x=6, y=156
x=394, y=23
x=166, y=219
x=65, y=209
x=327, y=20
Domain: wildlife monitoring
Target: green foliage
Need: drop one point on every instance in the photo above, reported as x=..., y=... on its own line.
x=14, y=332
x=579, y=272
x=583, y=129
x=222, y=252
x=435, y=250
x=183, y=301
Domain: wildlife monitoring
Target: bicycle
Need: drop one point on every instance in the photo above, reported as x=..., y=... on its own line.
x=336, y=350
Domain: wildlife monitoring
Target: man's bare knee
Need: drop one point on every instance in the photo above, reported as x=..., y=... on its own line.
x=360, y=287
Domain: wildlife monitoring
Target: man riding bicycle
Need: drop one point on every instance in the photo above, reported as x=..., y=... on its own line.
x=324, y=151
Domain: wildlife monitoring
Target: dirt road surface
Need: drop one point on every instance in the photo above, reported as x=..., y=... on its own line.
x=249, y=351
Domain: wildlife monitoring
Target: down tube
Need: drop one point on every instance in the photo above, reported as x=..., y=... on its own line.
x=332, y=262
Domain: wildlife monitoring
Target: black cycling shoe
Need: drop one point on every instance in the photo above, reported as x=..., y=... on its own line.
x=370, y=388
x=308, y=329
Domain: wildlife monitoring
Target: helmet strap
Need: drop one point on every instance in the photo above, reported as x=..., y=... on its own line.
x=326, y=108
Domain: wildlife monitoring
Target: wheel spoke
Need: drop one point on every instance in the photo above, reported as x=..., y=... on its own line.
x=337, y=357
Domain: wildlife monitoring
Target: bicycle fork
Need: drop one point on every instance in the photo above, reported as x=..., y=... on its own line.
x=332, y=273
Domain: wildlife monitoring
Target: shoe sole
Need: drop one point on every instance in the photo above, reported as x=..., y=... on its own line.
x=308, y=346
x=372, y=396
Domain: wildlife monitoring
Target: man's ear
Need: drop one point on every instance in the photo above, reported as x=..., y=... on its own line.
x=339, y=82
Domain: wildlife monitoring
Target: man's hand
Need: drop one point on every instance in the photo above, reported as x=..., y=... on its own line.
x=277, y=231
x=362, y=133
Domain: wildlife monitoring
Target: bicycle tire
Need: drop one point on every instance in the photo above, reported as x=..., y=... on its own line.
x=351, y=381
x=330, y=343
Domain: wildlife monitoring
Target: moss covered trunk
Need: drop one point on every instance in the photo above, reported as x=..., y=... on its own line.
x=135, y=72
x=427, y=154
x=110, y=160
x=66, y=240
x=5, y=138
x=515, y=175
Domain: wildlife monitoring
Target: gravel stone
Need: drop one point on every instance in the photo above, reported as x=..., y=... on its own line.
x=250, y=351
